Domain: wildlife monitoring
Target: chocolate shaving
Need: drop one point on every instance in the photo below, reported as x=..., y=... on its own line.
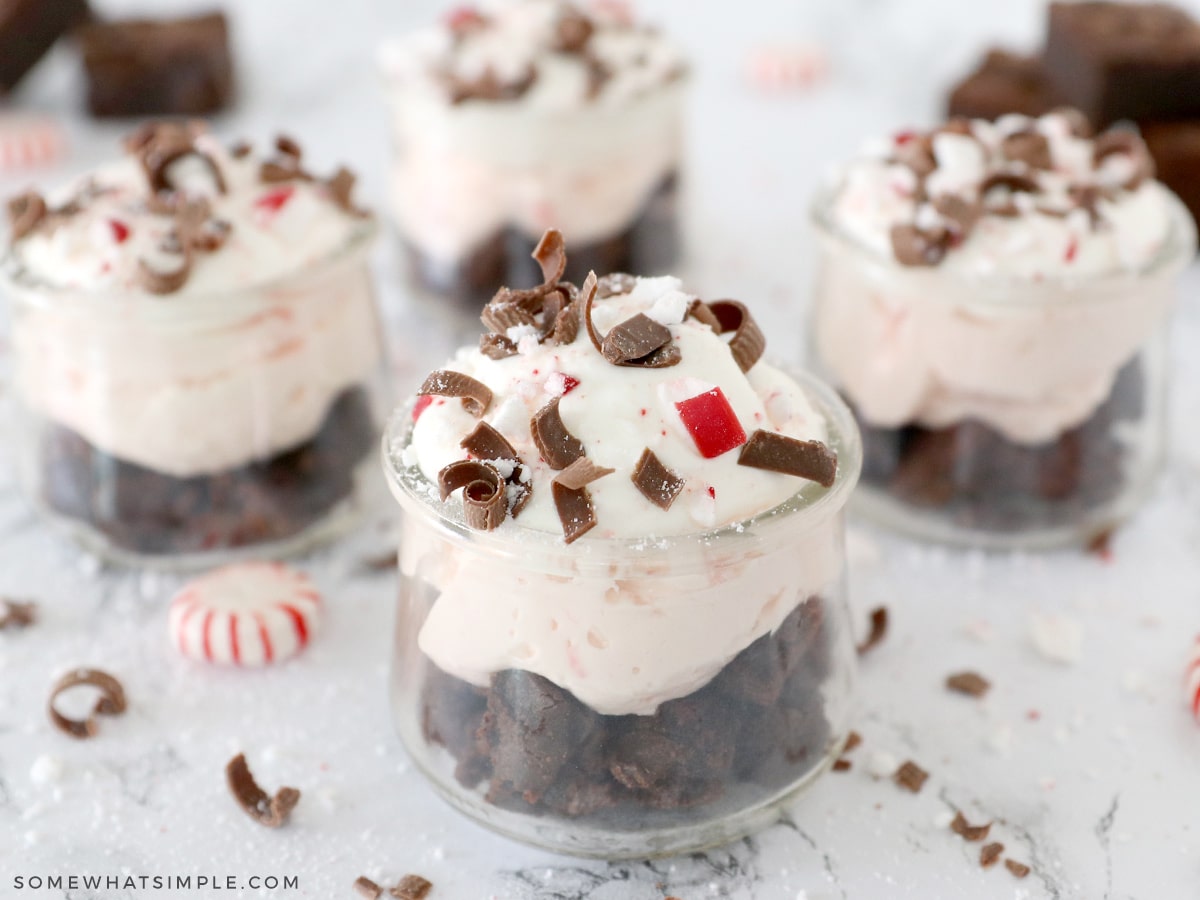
x=558, y=447
x=341, y=189
x=159, y=145
x=110, y=703
x=853, y=739
x=581, y=473
x=588, y=297
x=485, y=442
x=25, y=212
x=168, y=281
x=16, y=614
x=841, y=765
x=969, y=832
x=911, y=777
x=496, y=346
x=913, y=246
x=655, y=481
x=381, y=562
x=598, y=74
x=702, y=313
x=412, y=887
x=917, y=155
x=285, y=165
x=961, y=213
x=572, y=32
x=780, y=453
x=488, y=86
x=970, y=683
x=1087, y=197
x=566, y=325
x=1028, y=147
x=240, y=150
x=272, y=812
x=574, y=511
x=748, y=342
x=1014, y=182
x=1118, y=140
x=551, y=255
x=476, y=396
x=635, y=338
x=989, y=854
x=879, y=627
x=615, y=284
x=485, y=501
x=1077, y=122
x=1018, y=869
x=367, y=888
x=288, y=146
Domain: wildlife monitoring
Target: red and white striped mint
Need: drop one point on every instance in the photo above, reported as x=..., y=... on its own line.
x=245, y=614
x=27, y=141
x=786, y=66
x=1192, y=679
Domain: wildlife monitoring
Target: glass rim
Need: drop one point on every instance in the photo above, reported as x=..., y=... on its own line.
x=997, y=291
x=810, y=503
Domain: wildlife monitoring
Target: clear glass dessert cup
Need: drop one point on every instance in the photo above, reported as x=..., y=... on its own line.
x=191, y=429
x=474, y=186
x=1044, y=412
x=748, y=624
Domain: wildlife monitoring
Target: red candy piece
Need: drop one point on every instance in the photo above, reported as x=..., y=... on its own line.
x=463, y=17
x=273, y=201
x=569, y=384
x=1192, y=679
x=120, y=230
x=421, y=405
x=713, y=424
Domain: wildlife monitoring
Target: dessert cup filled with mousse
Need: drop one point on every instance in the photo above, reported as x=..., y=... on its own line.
x=523, y=115
x=197, y=358
x=622, y=626
x=992, y=300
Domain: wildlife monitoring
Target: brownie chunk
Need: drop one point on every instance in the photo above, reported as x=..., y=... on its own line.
x=1175, y=147
x=1124, y=60
x=1003, y=83
x=145, y=67
x=28, y=28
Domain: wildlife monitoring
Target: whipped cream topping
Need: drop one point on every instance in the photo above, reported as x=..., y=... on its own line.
x=1022, y=197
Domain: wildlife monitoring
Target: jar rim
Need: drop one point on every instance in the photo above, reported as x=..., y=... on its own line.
x=1009, y=292
x=810, y=504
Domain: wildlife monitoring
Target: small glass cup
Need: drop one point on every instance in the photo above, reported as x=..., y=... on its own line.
x=1043, y=401
x=748, y=624
x=188, y=430
x=474, y=186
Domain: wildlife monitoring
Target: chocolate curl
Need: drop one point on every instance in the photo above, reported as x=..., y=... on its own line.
x=1118, y=140
x=655, y=481
x=485, y=442
x=110, y=703
x=702, y=313
x=878, y=630
x=485, y=501
x=779, y=453
x=551, y=255
x=1013, y=181
x=1028, y=147
x=160, y=145
x=575, y=511
x=748, y=342
x=476, y=396
x=496, y=346
x=159, y=281
x=15, y=614
x=914, y=246
x=635, y=338
x=272, y=812
x=558, y=447
x=25, y=212
x=588, y=295
x=580, y=474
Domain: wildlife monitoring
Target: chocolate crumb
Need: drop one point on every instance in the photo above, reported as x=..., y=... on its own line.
x=780, y=453
x=970, y=683
x=841, y=765
x=16, y=613
x=655, y=481
x=966, y=830
x=367, y=888
x=581, y=473
x=485, y=500
x=272, y=812
x=748, y=341
x=989, y=854
x=110, y=703
x=559, y=448
x=412, y=887
x=911, y=777
x=1019, y=869
x=853, y=739
x=476, y=396
x=879, y=627
x=575, y=511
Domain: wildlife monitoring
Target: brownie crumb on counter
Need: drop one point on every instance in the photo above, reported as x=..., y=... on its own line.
x=911, y=777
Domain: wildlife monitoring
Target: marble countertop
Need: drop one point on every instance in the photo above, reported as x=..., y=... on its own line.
x=1089, y=768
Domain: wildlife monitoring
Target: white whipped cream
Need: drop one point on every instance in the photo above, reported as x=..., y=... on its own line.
x=556, y=156
x=623, y=630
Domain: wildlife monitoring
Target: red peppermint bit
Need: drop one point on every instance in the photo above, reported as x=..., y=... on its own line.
x=712, y=492
x=120, y=231
x=421, y=405
x=569, y=384
x=463, y=17
x=713, y=424
x=273, y=201
x=1033, y=715
x=1072, y=250
x=903, y=137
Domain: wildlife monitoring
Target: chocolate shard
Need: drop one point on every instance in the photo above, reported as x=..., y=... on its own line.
x=581, y=473
x=748, y=342
x=485, y=442
x=911, y=777
x=25, y=212
x=913, y=246
x=496, y=346
x=365, y=887
x=635, y=338
x=655, y=481
x=476, y=396
x=970, y=683
x=1028, y=147
x=559, y=448
x=566, y=325
x=990, y=854
x=273, y=812
x=615, y=284
x=878, y=631
x=966, y=830
x=779, y=453
x=1018, y=869
x=16, y=614
x=551, y=255
x=662, y=358
x=412, y=887
x=110, y=703
x=508, y=308
x=574, y=511
x=485, y=500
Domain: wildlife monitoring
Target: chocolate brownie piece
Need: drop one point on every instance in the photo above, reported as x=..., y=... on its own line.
x=1114, y=61
x=28, y=28
x=1175, y=147
x=143, y=67
x=1003, y=83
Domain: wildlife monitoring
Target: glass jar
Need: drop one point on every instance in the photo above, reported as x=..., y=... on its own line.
x=1007, y=413
x=625, y=698
x=475, y=185
x=181, y=430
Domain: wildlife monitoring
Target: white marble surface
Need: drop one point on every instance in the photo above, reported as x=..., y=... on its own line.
x=1089, y=769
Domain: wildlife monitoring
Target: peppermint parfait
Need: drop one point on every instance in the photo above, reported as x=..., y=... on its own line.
x=196, y=349
x=523, y=115
x=622, y=623
x=992, y=301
